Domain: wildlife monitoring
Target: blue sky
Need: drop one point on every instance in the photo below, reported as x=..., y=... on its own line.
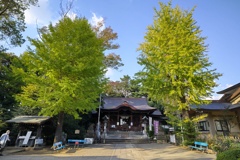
x=219, y=21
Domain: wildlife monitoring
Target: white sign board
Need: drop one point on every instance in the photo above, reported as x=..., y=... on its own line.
x=172, y=138
x=26, y=139
x=38, y=141
x=88, y=140
x=77, y=131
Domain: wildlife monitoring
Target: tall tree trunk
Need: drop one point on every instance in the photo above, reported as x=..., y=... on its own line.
x=185, y=114
x=58, y=133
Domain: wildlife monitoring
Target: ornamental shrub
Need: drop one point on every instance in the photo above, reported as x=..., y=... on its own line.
x=220, y=143
x=232, y=154
x=189, y=132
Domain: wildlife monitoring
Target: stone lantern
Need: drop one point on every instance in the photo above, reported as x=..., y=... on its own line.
x=145, y=120
x=105, y=120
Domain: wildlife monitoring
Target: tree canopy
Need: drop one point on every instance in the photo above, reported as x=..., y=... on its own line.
x=106, y=34
x=111, y=60
x=64, y=71
x=126, y=87
x=176, y=68
x=12, y=22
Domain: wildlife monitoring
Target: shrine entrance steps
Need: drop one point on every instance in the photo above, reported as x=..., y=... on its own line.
x=126, y=137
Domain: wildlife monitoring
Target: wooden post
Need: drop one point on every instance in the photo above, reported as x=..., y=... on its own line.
x=118, y=119
x=131, y=118
x=109, y=122
x=39, y=131
x=140, y=124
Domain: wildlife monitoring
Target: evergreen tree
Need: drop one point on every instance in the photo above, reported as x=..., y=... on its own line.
x=126, y=87
x=126, y=84
x=9, y=85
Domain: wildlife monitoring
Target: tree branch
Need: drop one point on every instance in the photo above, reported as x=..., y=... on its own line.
x=65, y=10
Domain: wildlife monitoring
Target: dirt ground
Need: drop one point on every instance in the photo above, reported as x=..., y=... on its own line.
x=112, y=152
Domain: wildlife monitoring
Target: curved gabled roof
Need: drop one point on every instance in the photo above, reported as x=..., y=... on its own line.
x=140, y=104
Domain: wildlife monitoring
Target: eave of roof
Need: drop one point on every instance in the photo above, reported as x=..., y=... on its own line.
x=157, y=113
x=235, y=95
x=29, y=119
x=231, y=96
x=234, y=106
x=229, y=89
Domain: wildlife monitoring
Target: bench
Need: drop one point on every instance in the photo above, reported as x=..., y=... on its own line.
x=76, y=142
x=201, y=146
x=58, y=146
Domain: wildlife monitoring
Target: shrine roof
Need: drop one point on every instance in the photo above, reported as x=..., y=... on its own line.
x=111, y=103
x=29, y=119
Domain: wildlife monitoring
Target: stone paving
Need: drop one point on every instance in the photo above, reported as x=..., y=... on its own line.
x=151, y=151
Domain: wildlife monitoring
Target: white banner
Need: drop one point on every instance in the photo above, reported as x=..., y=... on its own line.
x=150, y=123
x=155, y=124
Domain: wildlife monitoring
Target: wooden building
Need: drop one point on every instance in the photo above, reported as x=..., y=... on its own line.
x=128, y=114
x=223, y=115
x=30, y=130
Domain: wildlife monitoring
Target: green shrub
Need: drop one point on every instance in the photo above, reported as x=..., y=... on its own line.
x=150, y=133
x=189, y=132
x=220, y=143
x=232, y=154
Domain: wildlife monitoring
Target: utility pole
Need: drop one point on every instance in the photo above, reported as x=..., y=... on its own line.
x=98, y=124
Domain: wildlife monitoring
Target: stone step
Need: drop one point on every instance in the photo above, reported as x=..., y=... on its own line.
x=126, y=132
x=133, y=141
x=125, y=135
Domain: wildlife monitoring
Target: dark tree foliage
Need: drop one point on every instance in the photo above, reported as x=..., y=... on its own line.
x=12, y=22
x=9, y=85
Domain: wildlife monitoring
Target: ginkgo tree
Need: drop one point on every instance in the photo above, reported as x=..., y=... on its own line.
x=64, y=71
x=176, y=69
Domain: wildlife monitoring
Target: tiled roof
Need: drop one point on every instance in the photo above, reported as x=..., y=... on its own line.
x=134, y=103
x=213, y=106
x=217, y=106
